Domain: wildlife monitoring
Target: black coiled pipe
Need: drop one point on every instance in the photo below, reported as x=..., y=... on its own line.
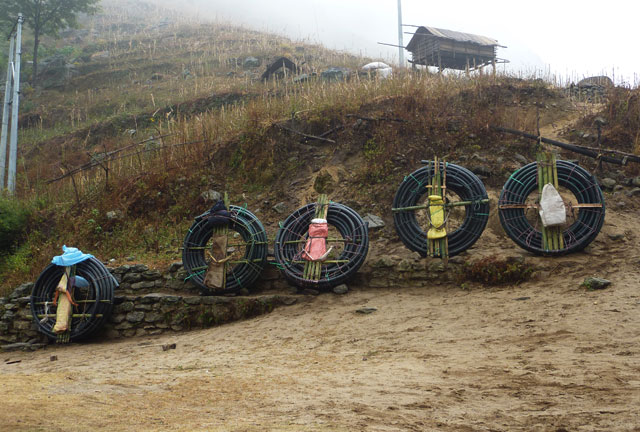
x=460, y=181
x=94, y=302
x=239, y=276
x=288, y=246
x=579, y=182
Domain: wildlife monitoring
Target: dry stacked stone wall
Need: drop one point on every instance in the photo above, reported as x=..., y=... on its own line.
x=147, y=302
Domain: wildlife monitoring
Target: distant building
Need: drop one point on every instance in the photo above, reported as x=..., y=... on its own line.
x=447, y=49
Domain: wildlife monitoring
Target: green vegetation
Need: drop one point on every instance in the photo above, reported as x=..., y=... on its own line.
x=14, y=216
x=494, y=270
x=45, y=18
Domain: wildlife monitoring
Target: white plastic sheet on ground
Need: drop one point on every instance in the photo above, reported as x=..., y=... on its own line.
x=382, y=69
x=552, y=211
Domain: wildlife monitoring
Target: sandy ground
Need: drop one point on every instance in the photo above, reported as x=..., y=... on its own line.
x=546, y=355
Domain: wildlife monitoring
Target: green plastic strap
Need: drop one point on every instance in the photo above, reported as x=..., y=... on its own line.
x=515, y=179
x=412, y=177
x=195, y=274
x=278, y=265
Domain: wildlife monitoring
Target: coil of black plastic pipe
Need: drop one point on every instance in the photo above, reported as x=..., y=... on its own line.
x=241, y=275
x=95, y=303
x=579, y=182
x=352, y=229
x=459, y=180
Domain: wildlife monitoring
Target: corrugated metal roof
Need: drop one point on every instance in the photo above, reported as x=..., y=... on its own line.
x=458, y=36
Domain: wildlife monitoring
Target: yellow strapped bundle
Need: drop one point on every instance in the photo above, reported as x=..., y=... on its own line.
x=436, y=215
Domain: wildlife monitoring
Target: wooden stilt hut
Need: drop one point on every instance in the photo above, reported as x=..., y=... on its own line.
x=447, y=49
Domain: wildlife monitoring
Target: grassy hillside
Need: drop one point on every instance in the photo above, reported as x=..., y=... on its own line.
x=155, y=108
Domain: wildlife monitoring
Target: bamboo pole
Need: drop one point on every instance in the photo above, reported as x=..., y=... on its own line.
x=541, y=184
x=313, y=269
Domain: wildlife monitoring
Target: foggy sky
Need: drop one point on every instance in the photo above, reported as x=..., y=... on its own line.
x=569, y=38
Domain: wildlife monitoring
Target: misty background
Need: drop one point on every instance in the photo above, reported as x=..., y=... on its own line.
x=566, y=39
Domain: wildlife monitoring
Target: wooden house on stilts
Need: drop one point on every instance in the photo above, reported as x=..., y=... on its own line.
x=447, y=49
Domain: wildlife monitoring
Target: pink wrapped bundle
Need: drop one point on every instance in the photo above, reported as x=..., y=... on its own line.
x=316, y=247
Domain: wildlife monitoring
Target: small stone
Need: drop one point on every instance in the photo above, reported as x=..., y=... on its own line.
x=436, y=266
x=151, y=275
x=373, y=221
x=386, y=261
x=476, y=156
x=405, y=265
x=608, y=183
x=635, y=181
x=139, y=268
x=152, y=317
x=616, y=236
x=22, y=325
x=211, y=196
x=130, y=258
x=22, y=290
x=135, y=317
x=192, y=300
x=634, y=192
x=481, y=170
x=151, y=298
x=115, y=215
x=132, y=278
x=341, y=289
x=279, y=208
x=288, y=301
x=171, y=299
x=250, y=62
x=117, y=319
x=143, y=285
x=595, y=283
x=53, y=358
x=174, y=267
x=366, y=310
x=522, y=298
x=523, y=160
x=167, y=347
x=309, y=291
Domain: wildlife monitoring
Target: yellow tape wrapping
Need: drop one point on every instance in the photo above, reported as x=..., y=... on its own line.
x=436, y=214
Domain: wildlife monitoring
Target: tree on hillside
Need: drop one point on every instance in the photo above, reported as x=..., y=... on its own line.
x=45, y=17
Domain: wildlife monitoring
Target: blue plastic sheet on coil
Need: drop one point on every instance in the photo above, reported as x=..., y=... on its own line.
x=70, y=256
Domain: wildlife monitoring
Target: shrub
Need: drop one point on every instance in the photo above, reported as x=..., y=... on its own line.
x=14, y=217
x=497, y=271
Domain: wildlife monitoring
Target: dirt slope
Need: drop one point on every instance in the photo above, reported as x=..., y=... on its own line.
x=545, y=355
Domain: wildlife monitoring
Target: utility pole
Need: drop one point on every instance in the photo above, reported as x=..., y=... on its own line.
x=400, y=41
x=11, y=102
x=6, y=110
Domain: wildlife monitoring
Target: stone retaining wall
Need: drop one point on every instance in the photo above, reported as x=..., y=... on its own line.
x=147, y=302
